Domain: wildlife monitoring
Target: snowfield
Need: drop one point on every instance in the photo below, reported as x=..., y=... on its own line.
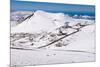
x=38, y=57
x=52, y=38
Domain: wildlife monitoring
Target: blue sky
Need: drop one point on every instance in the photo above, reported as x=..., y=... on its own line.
x=52, y=7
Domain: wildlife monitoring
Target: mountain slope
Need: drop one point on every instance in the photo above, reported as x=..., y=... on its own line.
x=84, y=40
x=40, y=21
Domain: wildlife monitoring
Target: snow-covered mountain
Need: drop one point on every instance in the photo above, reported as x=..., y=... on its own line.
x=43, y=28
x=84, y=17
x=18, y=16
x=52, y=37
x=44, y=21
x=41, y=21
